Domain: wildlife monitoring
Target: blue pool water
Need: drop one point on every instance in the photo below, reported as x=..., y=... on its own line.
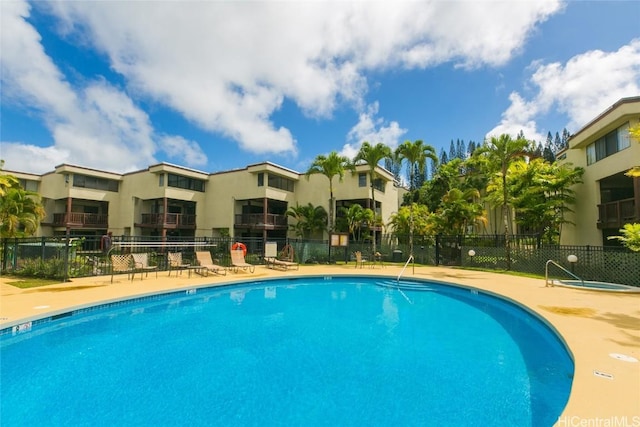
x=308, y=351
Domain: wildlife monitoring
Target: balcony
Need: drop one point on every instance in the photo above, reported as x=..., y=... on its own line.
x=80, y=220
x=173, y=220
x=617, y=214
x=258, y=221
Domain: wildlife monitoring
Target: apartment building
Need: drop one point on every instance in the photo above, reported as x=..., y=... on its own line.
x=608, y=198
x=167, y=200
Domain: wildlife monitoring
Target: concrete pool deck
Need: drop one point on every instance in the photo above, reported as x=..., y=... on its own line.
x=595, y=325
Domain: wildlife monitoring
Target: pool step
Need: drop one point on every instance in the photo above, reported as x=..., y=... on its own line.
x=408, y=286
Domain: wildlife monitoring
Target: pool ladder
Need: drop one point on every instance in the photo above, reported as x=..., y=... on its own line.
x=404, y=268
x=546, y=273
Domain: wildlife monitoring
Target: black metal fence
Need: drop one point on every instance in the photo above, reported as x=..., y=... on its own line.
x=59, y=257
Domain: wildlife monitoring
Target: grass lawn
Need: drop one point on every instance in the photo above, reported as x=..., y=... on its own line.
x=29, y=282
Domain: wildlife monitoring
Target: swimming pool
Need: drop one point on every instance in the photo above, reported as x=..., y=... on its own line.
x=596, y=286
x=298, y=351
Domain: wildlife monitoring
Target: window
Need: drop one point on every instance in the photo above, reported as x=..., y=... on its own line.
x=623, y=137
x=280, y=182
x=591, y=154
x=161, y=180
x=28, y=185
x=362, y=180
x=261, y=179
x=187, y=183
x=86, y=181
x=379, y=184
x=608, y=145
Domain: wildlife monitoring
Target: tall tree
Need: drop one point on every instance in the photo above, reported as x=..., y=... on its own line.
x=460, y=151
x=444, y=159
x=557, y=144
x=372, y=155
x=330, y=166
x=565, y=138
x=433, y=168
x=471, y=148
x=415, y=154
x=452, y=151
x=394, y=165
x=499, y=153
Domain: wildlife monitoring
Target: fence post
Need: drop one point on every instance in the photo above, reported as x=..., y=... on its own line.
x=66, y=257
x=43, y=246
x=15, y=254
x=437, y=250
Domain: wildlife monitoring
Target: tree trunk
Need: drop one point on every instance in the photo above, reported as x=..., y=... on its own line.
x=505, y=215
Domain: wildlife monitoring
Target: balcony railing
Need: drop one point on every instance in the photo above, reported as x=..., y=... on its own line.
x=80, y=220
x=616, y=214
x=172, y=220
x=259, y=221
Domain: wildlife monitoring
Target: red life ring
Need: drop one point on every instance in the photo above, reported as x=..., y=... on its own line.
x=238, y=245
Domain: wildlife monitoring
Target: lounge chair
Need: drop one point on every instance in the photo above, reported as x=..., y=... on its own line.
x=122, y=264
x=205, y=261
x=238, y=262
x=141, y=263
x=284, y=260
x=175, y=262
x=360, y=261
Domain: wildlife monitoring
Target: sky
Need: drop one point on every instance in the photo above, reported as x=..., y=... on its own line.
x=219, y=85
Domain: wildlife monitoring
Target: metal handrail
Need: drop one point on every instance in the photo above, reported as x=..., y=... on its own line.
x=404, y=268
x=546, y=272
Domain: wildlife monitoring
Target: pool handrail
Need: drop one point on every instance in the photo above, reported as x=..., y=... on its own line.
x=546, y=272
x=404, y=268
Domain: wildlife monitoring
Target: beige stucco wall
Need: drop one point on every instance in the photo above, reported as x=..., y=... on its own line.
x=227, y=192
x=584, y=231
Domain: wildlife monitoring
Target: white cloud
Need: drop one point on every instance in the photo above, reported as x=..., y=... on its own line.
x=95, y=125
x=228, y=66
x=582, y=88
x=373, y=130
x=183, y=150
x=30, y=158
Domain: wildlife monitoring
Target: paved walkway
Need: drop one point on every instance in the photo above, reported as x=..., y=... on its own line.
x=606, y=389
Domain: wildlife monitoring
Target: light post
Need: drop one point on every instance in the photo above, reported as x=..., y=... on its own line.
x=472, y=253
x=572, y=260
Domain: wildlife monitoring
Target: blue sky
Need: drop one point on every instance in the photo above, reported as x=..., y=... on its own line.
x=213, y=86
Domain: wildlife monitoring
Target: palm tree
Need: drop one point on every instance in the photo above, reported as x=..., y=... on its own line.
x=372, y=156
x=459, y=209
x=20, y=212
x=499, y=154
x=356, y=216
x=309, y=219
x=415, y=154
x=6, y=181
x=330, y=166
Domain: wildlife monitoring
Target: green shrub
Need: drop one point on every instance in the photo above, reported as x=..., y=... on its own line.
x=34, y=267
